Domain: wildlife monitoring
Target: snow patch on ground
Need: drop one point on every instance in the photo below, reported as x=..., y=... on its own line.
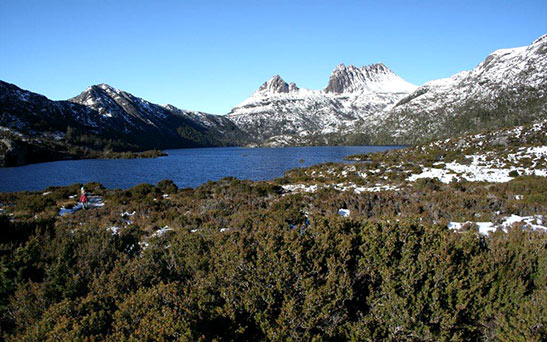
x=126, y=213
x=162, y=231
x=94, y=202
x=488, y=167
x=114, y=230
x=377, y=188
x=300, y=188
x=339, y=186
x=344, y=212
x=536, y=222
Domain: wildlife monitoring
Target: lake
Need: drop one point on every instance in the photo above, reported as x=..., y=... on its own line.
x=186, y=167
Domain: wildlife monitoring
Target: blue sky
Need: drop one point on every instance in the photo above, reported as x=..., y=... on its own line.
x=211, y=55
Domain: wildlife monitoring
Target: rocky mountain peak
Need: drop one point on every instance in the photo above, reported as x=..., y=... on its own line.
x=105, y=99
x=293, y=87
x=107, y=87
x=344, y=79
x=376, y=69
x=275, y=85
x=100, y=87
x=96, y=91
x=349, y=78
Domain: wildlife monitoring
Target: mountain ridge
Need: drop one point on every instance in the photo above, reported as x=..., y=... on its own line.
x=372, y=105
x=98, y=120
x=358, y=106
x=279, y=108
x=508, y=87
x=372, y=77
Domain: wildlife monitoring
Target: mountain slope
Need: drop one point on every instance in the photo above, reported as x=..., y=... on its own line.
x=508, y=88
x=102, y=118
x=151, y=125
x=367, y=105
x=372, y=105
x=280, y=109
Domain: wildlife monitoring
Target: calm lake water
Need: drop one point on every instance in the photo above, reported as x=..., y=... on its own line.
x=186, y=167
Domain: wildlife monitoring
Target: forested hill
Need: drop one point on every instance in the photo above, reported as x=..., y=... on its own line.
x=100, y=120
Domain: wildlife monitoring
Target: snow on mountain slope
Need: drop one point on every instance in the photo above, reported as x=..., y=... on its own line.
x=367, y=105
x=351, y=96
x=509, y=87
x=373, y=78
x=28, y=112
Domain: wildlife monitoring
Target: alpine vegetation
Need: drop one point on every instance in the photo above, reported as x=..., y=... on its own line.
x=444, y=241
x=375, y=203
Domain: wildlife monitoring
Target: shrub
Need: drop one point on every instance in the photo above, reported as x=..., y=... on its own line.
x=513, y=173
x=167, y=186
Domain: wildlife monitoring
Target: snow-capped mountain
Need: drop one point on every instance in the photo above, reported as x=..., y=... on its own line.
x=508, y=88
x=367, y=105
x=279, y=109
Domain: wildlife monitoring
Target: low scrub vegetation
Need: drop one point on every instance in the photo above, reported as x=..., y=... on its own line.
x=237, y=260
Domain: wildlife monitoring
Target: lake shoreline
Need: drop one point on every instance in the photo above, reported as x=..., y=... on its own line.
x=189, y=167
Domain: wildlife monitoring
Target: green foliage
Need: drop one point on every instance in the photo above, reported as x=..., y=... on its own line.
x=513, y=173
x=288, y=268
x=142, y=190
x=108, y=154
x=167, y=186
x=432, y=184
x=235, y=260
x=192, y=134
x=35, y=203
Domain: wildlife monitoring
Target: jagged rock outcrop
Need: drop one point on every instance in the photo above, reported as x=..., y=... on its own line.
x=275, y=85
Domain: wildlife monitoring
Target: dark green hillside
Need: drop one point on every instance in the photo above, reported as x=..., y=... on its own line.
x=517, y=106
x=102, y=122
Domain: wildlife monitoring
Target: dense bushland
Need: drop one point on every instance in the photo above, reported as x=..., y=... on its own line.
x=245, y=261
